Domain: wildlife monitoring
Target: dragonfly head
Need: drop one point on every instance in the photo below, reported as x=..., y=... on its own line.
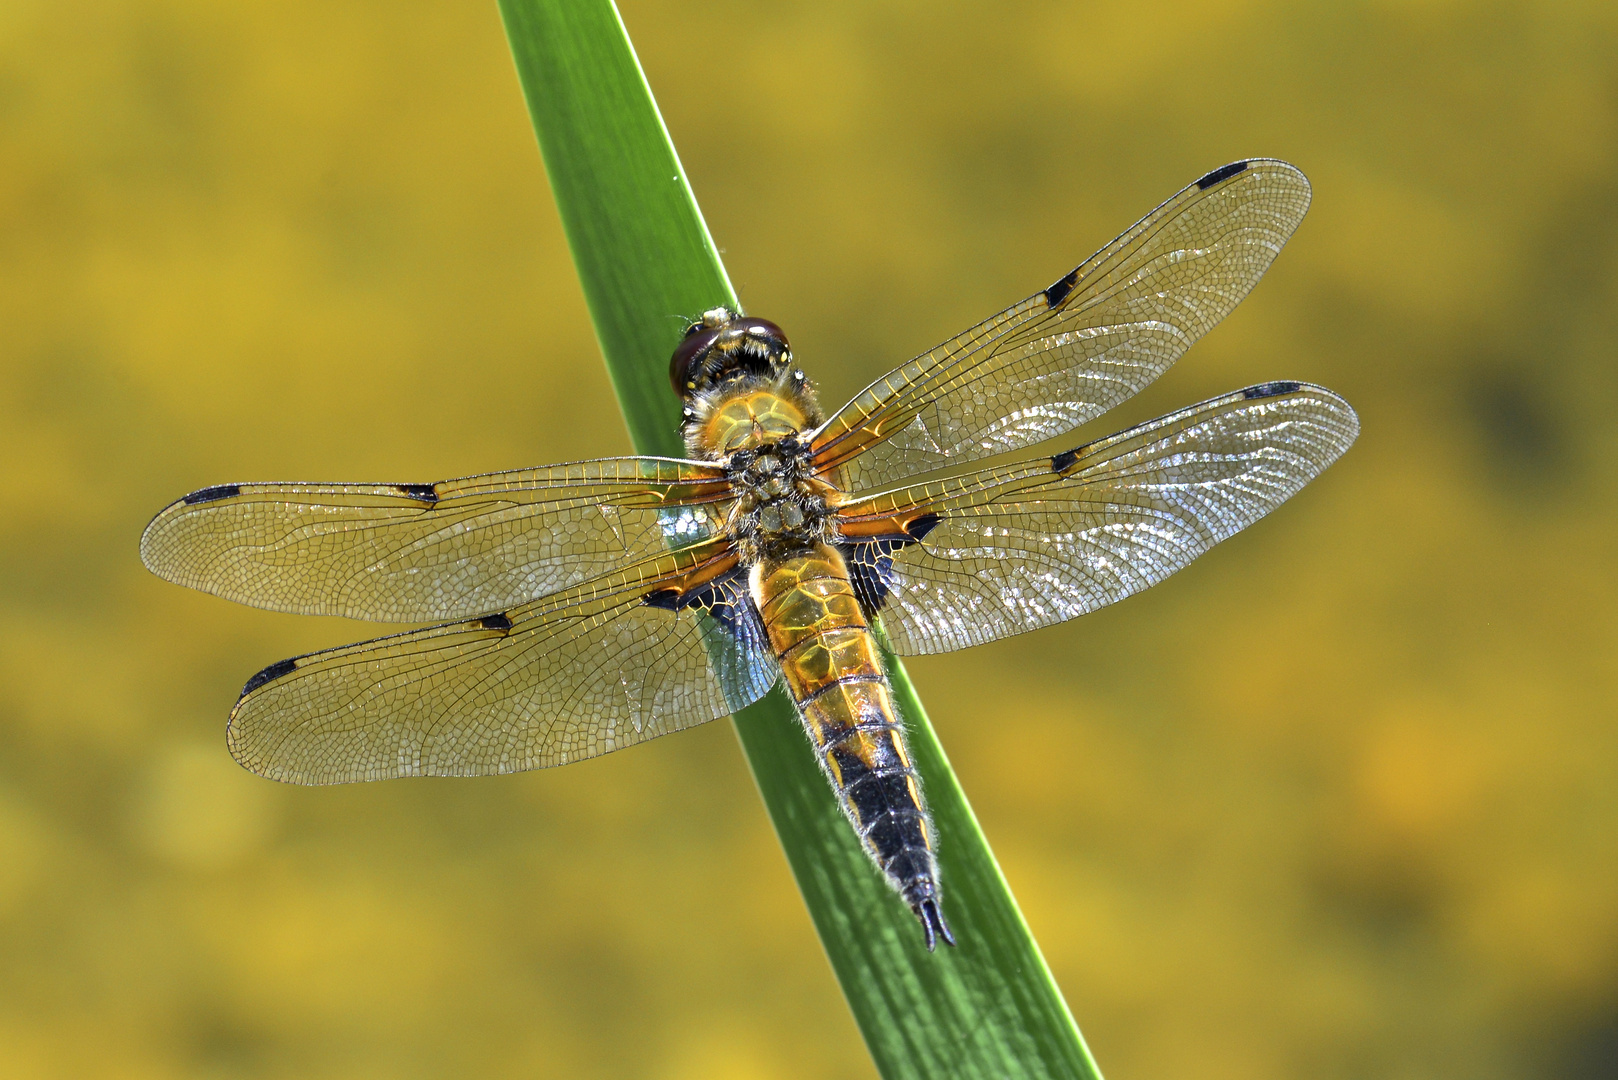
x=724, y=346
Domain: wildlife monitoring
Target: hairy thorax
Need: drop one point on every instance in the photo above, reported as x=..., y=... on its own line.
x=781, y=508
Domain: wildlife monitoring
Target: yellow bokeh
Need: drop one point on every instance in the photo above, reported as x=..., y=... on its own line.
x=1340, y=800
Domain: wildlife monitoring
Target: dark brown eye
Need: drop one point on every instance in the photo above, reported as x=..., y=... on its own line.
x=761, y=328
x=694, y=345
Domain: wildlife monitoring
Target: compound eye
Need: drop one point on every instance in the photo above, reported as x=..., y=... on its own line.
x=761, y=328
x=686, y=354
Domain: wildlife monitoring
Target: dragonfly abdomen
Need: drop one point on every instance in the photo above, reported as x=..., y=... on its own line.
x=833, y=670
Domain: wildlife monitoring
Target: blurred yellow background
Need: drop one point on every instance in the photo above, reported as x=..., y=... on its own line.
x=1339, y=801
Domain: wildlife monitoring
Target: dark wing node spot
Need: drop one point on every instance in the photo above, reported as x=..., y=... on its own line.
x=919, y=528
x=1064, y=461
x=667, y=599
x=870, y=562
x=269, y=674
x=426, y=493
x=1221, y=174
x=213, y=494
x=497, y=621
x=1271, y=389
x=1058, y=292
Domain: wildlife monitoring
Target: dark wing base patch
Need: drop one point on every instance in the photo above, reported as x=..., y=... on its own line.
x=733, y=633
x=870, y=561
x=724, y=598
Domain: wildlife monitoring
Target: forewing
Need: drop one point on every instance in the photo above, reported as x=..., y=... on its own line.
x=1071, y=352
x=577, y=674
x=1022, y=546
x=423, y=552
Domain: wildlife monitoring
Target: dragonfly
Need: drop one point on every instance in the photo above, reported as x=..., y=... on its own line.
x=581, y=608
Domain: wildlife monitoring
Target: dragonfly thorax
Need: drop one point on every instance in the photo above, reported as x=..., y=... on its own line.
x=746, y=406
x=781, y=506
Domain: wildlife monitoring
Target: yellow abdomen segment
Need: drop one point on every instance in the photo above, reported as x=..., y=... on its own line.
x=833, y=670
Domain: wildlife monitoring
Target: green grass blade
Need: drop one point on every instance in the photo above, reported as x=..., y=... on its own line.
x=646, y=261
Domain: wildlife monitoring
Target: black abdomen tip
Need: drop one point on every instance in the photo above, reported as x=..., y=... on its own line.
x=932, y=923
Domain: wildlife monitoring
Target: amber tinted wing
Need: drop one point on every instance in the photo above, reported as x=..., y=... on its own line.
x=1010, y=549
x=580, y=673
x=423, y=552
x=1068, y=354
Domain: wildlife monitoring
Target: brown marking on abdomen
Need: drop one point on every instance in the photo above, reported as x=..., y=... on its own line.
x=833, y=670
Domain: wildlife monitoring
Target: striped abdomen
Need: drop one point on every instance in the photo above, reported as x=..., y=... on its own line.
x=831, y=666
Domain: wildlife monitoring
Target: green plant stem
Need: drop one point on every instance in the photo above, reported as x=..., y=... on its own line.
x=987, y=1009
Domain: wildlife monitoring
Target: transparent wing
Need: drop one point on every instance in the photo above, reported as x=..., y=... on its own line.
x=580, y=673
x=1013, y=548
x=1068, y=354
x=422, y=552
